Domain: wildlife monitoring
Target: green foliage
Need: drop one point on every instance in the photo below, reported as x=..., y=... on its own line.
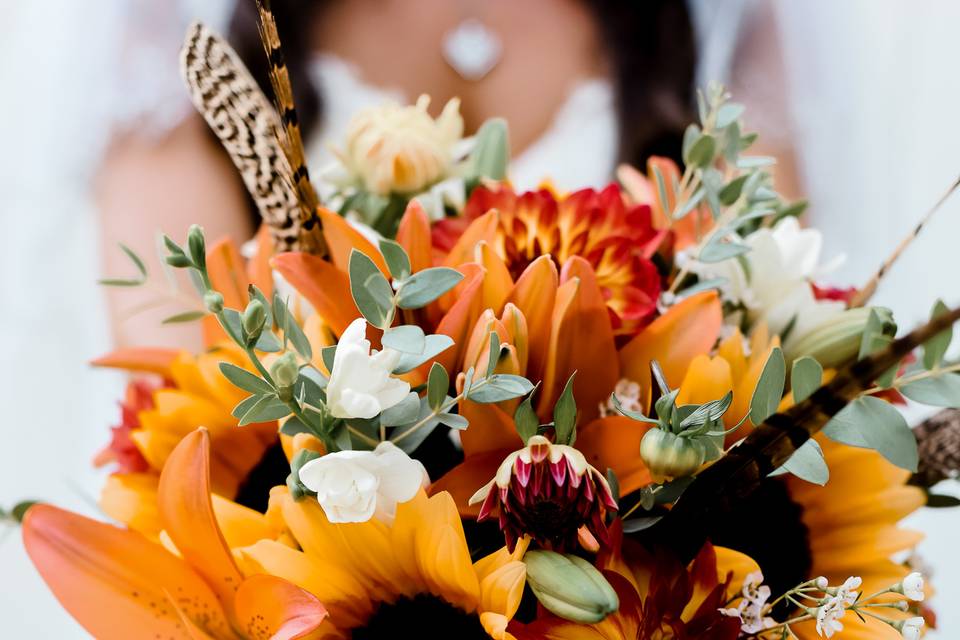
x=427, y=285
x=875, y=424
x=437, y=384
x=940, y=391
x=807, y=463
x=128, y=282
x=491, y=151
x=525, y=418
x=936, y=347
x=370, y=290
x=805, y=378
x=500, y=387
x=565, y=414
x=769, y=390
x=397, y=259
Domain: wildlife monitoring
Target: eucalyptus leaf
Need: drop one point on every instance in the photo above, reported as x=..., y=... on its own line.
x=565, y=414
x=244, y=379
x=407, y=338
x=453, y=421
x=939, y=391
x=370, y=290
x=874, y=423
x=718, y=251
x=327, y=355
x=404, y=412
x=690, y=135
x=429, y=423
x=661, y=186
x=491, y=151
x=427, y=285
x=437, y=384
x=731, y=191
x=807, y=463
x=805, y=378
x=434, y=345
x=634, y=525
x=255, y=294
x=690, y=204
x=268, y=342
x=264, y=409
x=493, y=353
x=292, y=426
x=769, y=390
x=397, y=259
x=702, y=151
x=935, y=348
x=186, y=316
x=499, y=387
x=291, y=329
x=728, y=113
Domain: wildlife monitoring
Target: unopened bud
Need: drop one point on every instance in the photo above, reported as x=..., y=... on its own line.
x=254, y=316
x=570, y=587
x=197, y=246
x=670, y=456
x=834, y=343
x=213, y=300
x=285, y=370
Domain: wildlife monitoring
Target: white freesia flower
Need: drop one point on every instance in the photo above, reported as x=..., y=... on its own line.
x=911, y=628
x=354, y=486
x=775, y=286
x=912, y=586
x=402, y=149
x=361, y=384
x=847, y=592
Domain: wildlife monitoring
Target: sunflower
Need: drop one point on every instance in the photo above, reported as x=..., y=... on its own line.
x=852, y=528
x=375, y=578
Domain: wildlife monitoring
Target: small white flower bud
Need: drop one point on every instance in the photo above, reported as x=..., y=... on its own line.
x=821, y=583
x=909, y=628
x=911, y=586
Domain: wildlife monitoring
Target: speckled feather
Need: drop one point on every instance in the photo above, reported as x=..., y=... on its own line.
x=245, y=122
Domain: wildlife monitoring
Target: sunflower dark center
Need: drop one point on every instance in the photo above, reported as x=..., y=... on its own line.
x=768, y=526
x=425, y=616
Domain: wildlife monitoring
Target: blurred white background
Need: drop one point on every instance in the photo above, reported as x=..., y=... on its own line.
x=874, y=93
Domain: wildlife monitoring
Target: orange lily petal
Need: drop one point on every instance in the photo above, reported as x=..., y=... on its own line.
x=497, y=283
x=93, y=568
x=270, y=607
x=534, y=295
x=342, y=239
x=463, y=480
x=414, y=236
x=482, y=229
x=188, y=516
x=259, y=271
x=225, y=266
x=581, y=340
x=459, y=321
x=614, y=443
x=490, y=429
x=707, y=379
x=322, y=284
x=140, y=359
x=674, y=339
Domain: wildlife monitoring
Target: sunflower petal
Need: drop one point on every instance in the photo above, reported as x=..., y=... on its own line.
x=93, y=567
x=463, y=480
x=271, y=608
x=140, y=359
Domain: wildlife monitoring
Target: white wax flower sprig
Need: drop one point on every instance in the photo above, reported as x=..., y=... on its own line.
x=361, y=383
x=354, y=486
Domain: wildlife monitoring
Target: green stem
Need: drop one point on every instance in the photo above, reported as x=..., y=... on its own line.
x=442, y=409
x=908, y=379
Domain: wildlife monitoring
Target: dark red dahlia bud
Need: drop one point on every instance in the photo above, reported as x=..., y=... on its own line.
x=549, y=492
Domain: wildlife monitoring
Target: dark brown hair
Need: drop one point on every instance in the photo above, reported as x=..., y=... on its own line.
x=650, y=44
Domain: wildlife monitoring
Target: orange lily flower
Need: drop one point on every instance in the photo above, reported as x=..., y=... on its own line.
x=198, y=593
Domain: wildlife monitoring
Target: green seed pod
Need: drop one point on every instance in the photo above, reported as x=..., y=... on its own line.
x=570, y=587
x=213, y=300
x=669, y=455
x=254, y=317
x=285, y=370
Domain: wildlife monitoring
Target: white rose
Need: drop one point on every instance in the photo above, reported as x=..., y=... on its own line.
x=396, y=149
x=775, y=287
x=911, y=628
x=354, y=486
x=912, y=586
x=361, y=384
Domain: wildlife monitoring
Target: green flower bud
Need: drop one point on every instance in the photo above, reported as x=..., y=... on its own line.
x=832, y=344
x=179, y=261
x=285, y=370
x=669, y=455
x=254, y=317
x=197, y=246
x=213, y=300
x=570, y=587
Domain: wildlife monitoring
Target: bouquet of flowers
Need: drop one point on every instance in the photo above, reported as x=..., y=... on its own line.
x=433, y=404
